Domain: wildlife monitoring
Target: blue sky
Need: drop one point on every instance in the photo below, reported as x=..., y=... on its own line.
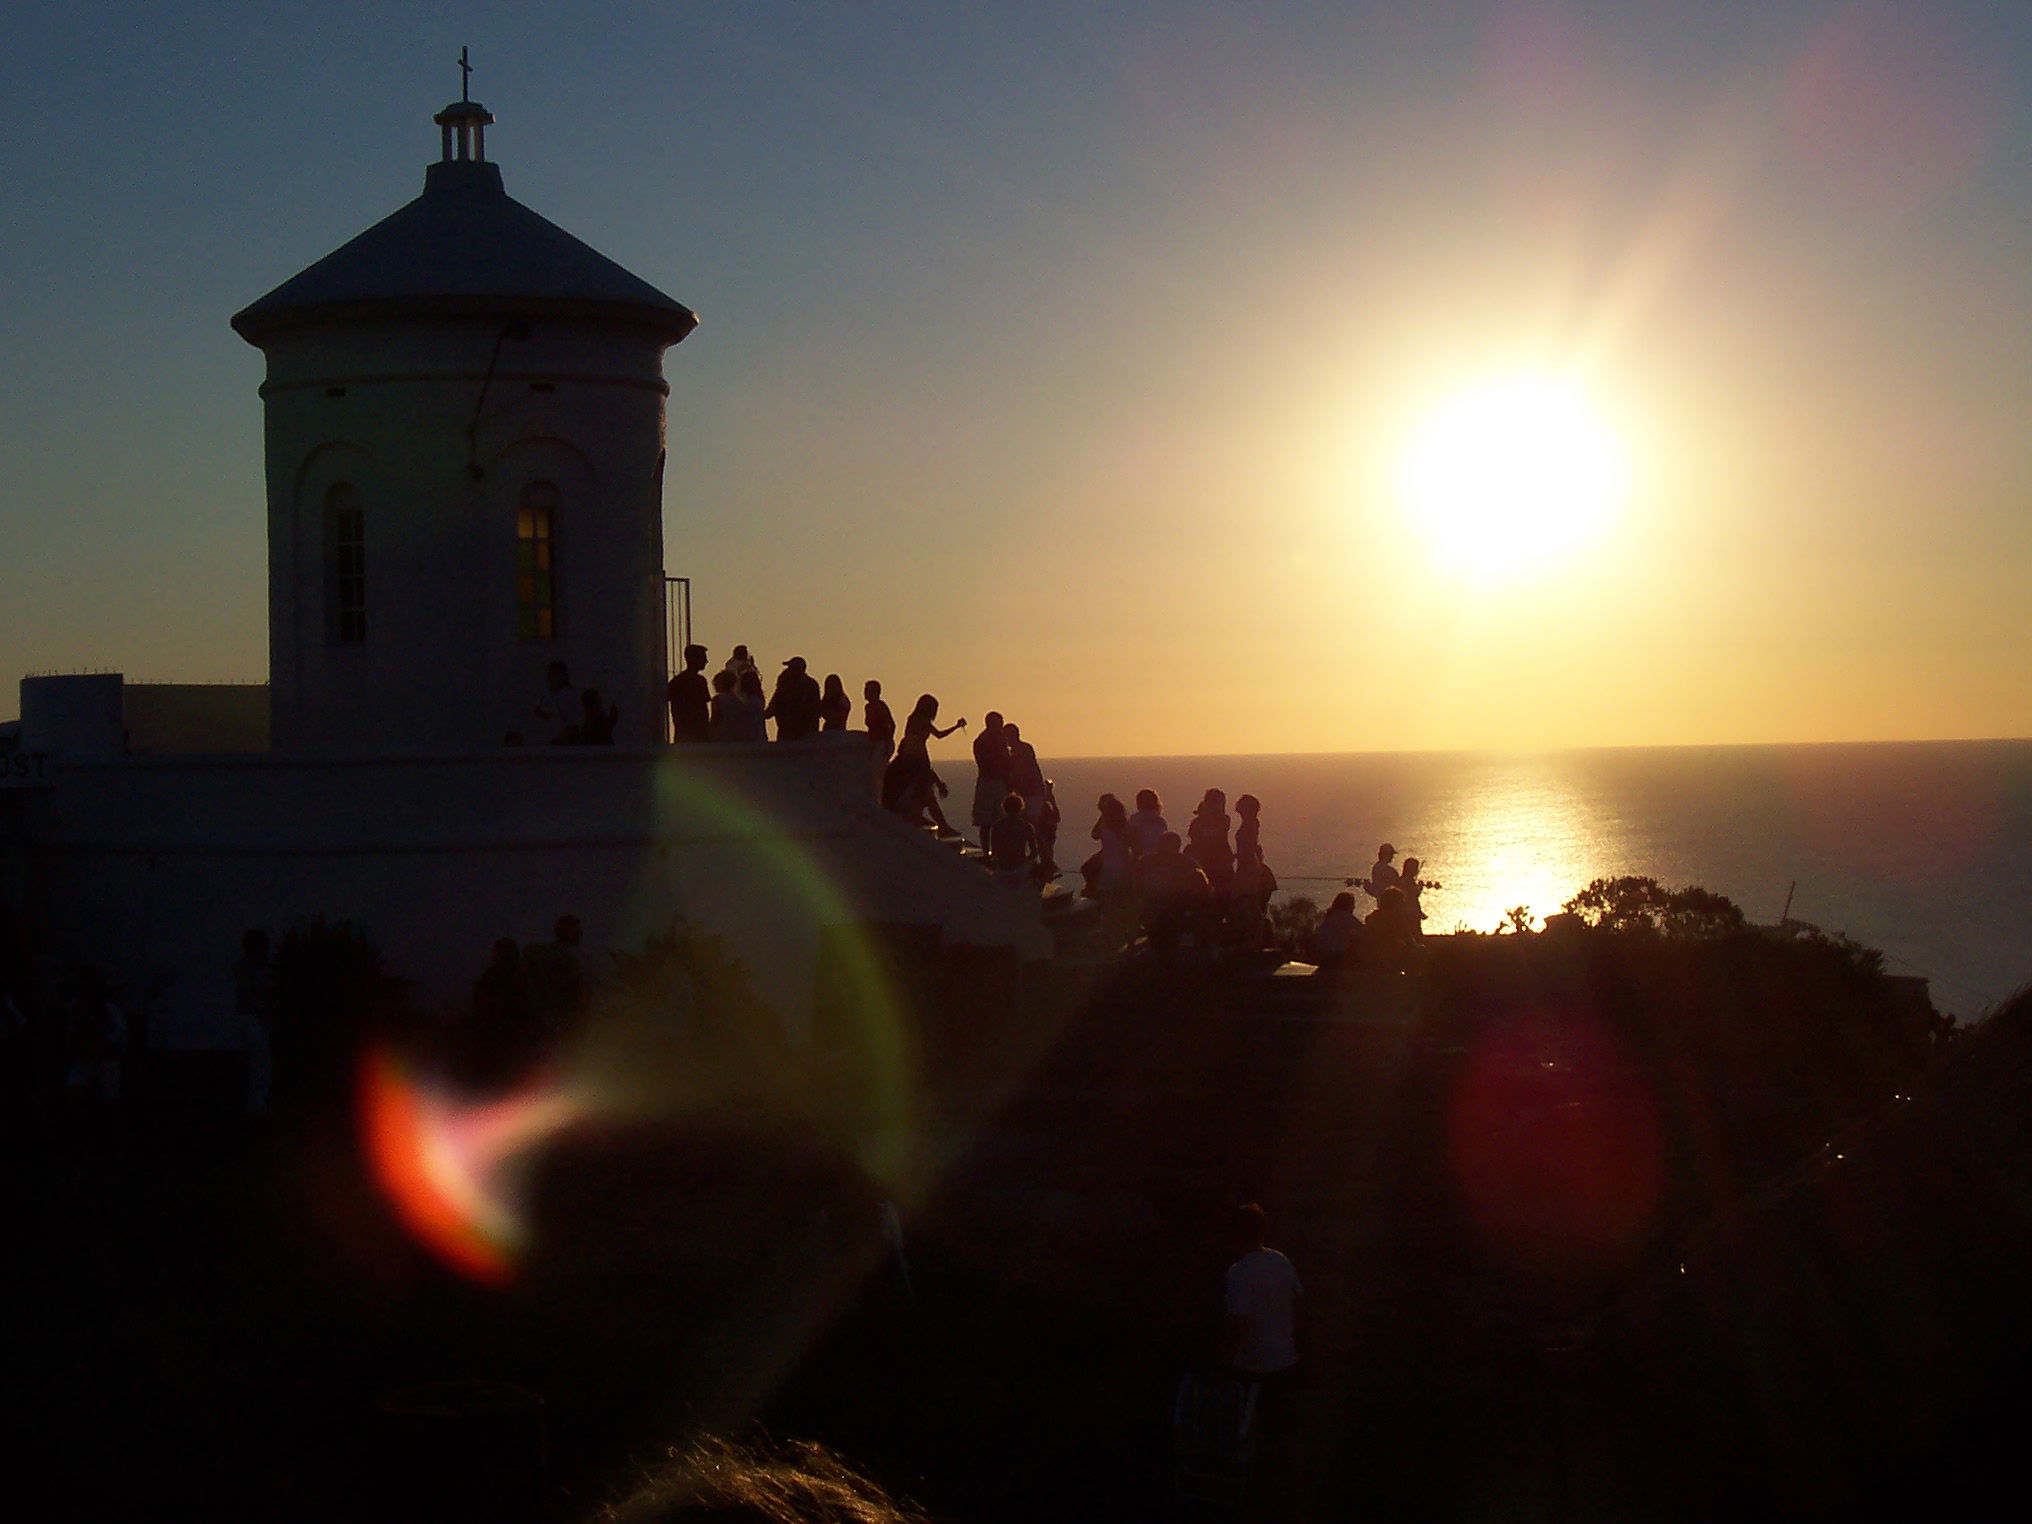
x=1049, y=353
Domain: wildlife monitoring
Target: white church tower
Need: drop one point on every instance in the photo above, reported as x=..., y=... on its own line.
x=465, y=448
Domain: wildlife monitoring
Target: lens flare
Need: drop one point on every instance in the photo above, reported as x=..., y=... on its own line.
x=1557, y=1148
x=448, y=1165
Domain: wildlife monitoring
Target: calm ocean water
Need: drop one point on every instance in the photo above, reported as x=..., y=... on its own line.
x=1921, y=849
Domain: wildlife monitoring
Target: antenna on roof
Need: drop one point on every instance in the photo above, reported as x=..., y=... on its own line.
x=465, y=77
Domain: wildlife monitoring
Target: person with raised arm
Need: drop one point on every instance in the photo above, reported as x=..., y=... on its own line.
x=910, y=788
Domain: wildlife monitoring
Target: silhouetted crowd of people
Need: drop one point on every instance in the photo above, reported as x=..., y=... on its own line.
x=1210, y=886
x=1388, y=937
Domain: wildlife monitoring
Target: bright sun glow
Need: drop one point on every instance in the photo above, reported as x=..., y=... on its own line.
x=1512, y=476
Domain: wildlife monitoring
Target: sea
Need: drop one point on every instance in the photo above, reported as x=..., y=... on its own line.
x=1922, y=850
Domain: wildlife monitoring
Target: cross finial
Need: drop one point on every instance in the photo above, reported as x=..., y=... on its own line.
x=465, y=77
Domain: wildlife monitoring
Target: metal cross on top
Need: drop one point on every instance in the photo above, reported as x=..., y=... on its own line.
x=465, y=77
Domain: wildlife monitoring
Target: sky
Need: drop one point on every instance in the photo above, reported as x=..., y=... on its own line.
x=1061, y=358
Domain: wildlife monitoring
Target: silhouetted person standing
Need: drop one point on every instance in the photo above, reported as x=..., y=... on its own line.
x=795, y=704
x=726, y=710
x=991, y=774
x=753, y=709
x=1410, y=886
x=1026, y=773
x=834, y=707
x=881, y=727
x=1207, y=841
x=1382, y=873
x=1264, y=1301
x=1254, y=882
x=741, y=662
x=1110, y=873
x=691, y=700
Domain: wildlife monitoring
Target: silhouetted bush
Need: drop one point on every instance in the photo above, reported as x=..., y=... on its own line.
x=1292, y=923
x=1631, y=903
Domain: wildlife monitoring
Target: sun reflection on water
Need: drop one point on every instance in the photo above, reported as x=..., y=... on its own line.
x=1520, y=834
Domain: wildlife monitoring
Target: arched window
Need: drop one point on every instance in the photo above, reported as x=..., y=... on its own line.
x=536, y=562
x=346, y=558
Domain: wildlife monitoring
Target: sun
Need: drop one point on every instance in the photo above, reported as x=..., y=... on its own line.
x=1512, y=476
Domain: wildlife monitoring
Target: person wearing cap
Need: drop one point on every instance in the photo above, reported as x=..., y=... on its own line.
x=794, y=706
x=690, y=699
x=1382, y=874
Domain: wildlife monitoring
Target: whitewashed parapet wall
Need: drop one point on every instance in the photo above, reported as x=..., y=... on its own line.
x=152, y=868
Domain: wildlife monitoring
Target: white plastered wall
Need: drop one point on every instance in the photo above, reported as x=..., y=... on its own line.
x=397, y=410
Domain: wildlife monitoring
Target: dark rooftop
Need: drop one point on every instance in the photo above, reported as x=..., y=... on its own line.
x=463, y=247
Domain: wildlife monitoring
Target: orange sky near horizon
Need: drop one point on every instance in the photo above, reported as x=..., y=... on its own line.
x=1068, y=371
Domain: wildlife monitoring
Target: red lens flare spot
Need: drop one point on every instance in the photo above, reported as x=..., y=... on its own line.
x=1556, y=1148
x=446, y=1164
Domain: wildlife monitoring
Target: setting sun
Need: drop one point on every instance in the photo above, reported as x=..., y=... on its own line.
x=1512, y=476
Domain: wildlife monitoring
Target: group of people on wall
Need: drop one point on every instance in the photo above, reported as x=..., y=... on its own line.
x=732, y=704
x=733, y=707
x=1210, y=884
x=1388, y=937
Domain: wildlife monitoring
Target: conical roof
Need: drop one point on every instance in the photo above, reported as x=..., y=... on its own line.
x=463, y=247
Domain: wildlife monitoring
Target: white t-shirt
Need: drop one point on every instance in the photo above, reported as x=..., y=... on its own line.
x=1146, y=829
x=1263, y=1290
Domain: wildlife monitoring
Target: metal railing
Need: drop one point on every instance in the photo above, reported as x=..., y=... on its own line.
x=676, y=623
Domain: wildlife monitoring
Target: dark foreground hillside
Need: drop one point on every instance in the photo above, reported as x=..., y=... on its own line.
x=1572, y=1244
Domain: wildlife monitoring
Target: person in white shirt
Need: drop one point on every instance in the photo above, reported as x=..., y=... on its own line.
x=559, y=709
x=1262, y=1300
x=1146, y=826
x=1262, y=1342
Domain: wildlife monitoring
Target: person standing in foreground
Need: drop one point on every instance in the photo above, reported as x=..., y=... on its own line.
x=690, y=699
x=1261, y=1346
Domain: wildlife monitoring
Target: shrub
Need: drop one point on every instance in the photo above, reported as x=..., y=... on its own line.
x=1631, y=903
